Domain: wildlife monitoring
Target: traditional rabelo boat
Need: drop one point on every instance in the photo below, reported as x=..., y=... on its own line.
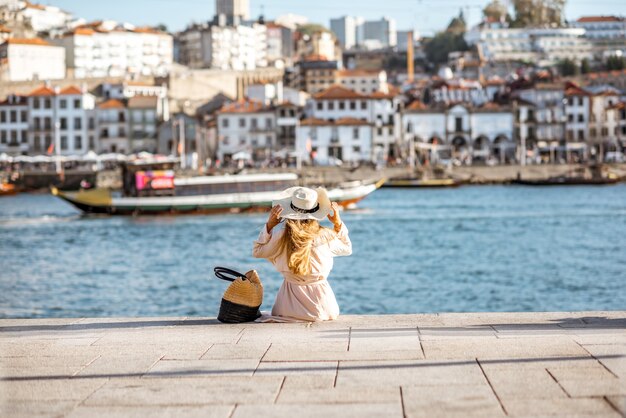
x=427, y=183
x=595, y=175
x=160, y=192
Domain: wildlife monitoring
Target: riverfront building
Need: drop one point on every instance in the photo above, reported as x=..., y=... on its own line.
x=31, y=59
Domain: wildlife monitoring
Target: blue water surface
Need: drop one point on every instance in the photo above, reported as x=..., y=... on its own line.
x=489, y=248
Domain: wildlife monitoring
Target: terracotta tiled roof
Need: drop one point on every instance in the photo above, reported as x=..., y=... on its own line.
x=4, y=29
x=22, y=41
x=111, y=104
x=574, y=90
x=143, y=102
x=417, y=105
x=17, y=100
x=338, y=92
x=315, y=57
x=83, y=31
x=29, y=5
x=148, y=29
x=591, y=19
x=338, y=122
x=42, y=91
x=358, y=73
x=243, y=106
x=71, y=91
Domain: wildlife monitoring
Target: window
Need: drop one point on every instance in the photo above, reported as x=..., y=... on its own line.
x=331, y=105
x=3, y=117
x=342, y=105
x=268, y=140
x=458, y=124
x=570, y=118
x=36, y=104
x=224, y=123
x=363, y=105
x=47, y=104
x=242, y=123
x=78, y=142
x=122, y=133
x=24, y=116
x=352, y=105
x=253, y=123
x=92, y=142
x=77, y=104
x=48, y=141
x=320, y=105
x=355, y=133
x=13, y=116
x=92, y=124
x=64, y=142
x=3, y=137
x=63, y=104
x=47, y=123
x=379, y=131
x=37, y=124
x=581, y=118
x=37, y=144
x=63, y=123
x=580, y=101
x=570, y=101
x=390, y=130
x=14, y=137
x=581, y=135
x=24, y=139
x=225, y=140
x=78, y=123
x=592, y=132
x=268, y=123
x=356, y=149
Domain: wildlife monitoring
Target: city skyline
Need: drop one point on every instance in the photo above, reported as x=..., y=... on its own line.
x=427, y=17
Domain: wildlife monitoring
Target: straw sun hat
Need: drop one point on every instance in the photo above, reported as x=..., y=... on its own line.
x=304, y=203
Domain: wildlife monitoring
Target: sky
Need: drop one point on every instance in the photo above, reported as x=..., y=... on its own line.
x=425, y=16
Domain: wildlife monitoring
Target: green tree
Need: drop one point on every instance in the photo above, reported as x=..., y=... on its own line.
x=585, y=67
x=438, y=48
x=162, y=27
x=615, y=63
x=567, y=68
x=457, y=25
x=495, y=11
x=538, y=13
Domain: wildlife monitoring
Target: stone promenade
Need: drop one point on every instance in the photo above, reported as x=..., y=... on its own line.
x=485, y=365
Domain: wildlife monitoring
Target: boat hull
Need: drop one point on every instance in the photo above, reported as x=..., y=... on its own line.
x=415, y=183
x=567, y=182
x=102, y=202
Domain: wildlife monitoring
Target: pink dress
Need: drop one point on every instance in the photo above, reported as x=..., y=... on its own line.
x=307, y=297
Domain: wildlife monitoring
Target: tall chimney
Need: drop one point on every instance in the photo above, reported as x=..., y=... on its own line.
x=409, y=57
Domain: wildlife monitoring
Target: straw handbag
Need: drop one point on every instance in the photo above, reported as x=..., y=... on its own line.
x=242, y=299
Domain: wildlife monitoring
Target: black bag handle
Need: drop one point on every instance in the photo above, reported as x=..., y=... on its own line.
x=227, y=274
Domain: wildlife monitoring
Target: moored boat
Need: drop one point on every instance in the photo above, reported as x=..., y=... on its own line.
x=7, y=189
x=594, y=175
x=428, y=183
x=158, y=192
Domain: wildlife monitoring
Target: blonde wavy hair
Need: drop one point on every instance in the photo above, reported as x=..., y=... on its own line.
x=297, y=241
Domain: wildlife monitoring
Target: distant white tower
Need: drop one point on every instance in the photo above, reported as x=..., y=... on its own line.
x=233, y=8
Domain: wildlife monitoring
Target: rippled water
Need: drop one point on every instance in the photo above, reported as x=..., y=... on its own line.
x=490, y=248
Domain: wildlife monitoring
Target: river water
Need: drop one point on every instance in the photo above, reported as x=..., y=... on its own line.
x=488, y=248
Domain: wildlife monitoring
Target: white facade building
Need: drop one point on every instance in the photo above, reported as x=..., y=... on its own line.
x=65, y=117
x=346, y=139
x=577, y=110
x=31, y=59
x=97, y=51
x=379, y=109
x=364, y=81
x=545, y=46
x=112, y=117
x=602, y=27
x=246, y=126
x=466, y=133
x=45, y=18
x=549, y=112
x=14, y=125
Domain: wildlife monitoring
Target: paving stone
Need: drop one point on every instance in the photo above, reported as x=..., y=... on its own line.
x=206, y=411
x=526, y=384
x=283, y=352
x=380, y=373
x=119, y=366
x=450, y=401
x=236, y=351
x=393, y=339
x=217, y=390
x=44, y=390
x=339, y=395
x=299, y=368
x=61, y=367
x=200, y=368
x=581, y=373
x=594, y=387
x=358, y=410
x=309, y=381
x=38, y=409
x=569, y=407
x=618, y=402
x=495, y=348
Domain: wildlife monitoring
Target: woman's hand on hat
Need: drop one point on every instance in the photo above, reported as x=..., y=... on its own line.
x=334, y=217
x=274, y=218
